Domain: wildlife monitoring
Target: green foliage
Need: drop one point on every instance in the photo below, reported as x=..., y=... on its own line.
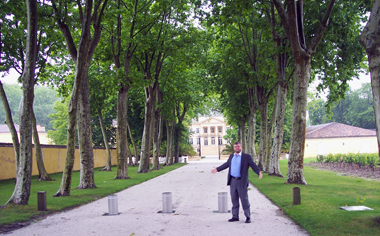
x=231, y=136
x=14, y=94
x=13, y=20
x=44, y=98
x=228, y=149
x=97, y=136
x=363, y=159
x=103, y=99
x=105, y=182
x=60, y=121
x=339, y=56
x=185, y=149
x=356, y=109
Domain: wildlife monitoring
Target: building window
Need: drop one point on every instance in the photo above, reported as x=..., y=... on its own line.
x=205, y=130
x=191, y=141
x=220, y=129
x=212, y=130
x=220, y=141
x=197, y=130
x=198, y=141
x=212, y=140
x=206, y=142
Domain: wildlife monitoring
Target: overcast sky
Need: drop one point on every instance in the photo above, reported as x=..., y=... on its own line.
x=11, y=78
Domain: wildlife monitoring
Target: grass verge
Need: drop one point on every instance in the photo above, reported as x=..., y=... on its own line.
x=326, y=191
x=103, y=179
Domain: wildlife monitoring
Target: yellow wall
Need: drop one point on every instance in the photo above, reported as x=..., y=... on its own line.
x=314, y=147
x=54, y=159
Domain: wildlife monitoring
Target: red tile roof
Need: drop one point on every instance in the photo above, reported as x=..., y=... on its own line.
x=337, y=130
x=5, y=129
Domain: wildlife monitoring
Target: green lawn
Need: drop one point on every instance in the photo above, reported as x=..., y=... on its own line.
x=103, y=179
x=326, y=191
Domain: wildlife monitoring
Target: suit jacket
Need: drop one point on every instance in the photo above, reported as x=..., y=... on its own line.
x=246, y=162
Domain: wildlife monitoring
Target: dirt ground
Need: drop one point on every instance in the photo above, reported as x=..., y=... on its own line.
x=349, y=169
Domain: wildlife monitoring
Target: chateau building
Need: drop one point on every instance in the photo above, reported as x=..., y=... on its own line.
x=207, y=135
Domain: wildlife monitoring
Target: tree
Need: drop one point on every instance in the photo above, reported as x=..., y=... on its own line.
x=292, y=21
x=42, y=174
x=91, y=15
x=102, y=99
x=21, y=192
x=369, y=39
x=11, y=126
x=282, y=63
x=355, y=109
x=44, y=99
x=162, y=36
x=58, y=134
x=13, y=93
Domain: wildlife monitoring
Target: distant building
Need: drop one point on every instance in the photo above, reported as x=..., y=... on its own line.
x=339, y=138
x=207, y=135
x=6, y=137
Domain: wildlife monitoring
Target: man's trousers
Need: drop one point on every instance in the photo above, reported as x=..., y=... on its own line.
x=237, y=191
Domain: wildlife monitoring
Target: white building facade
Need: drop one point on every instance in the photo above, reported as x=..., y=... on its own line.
x=207, y=135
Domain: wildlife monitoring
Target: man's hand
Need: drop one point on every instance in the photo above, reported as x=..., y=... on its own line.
x=260, y=175
x=214, y=170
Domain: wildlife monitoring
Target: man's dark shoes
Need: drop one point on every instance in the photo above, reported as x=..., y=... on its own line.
x=233, y=219
x=248, y=220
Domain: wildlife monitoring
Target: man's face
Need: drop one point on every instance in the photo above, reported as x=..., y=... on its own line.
x=237, y=148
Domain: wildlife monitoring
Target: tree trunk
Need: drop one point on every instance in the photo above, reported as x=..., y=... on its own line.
x=263, y=106
x=11, y=126
x=145, y=147
x=122, y=132
x=292, y=21
x=151, y=135
x=136, y=153
x=251, y=137
x=170, y=128
x=172, y=132
x=105, y=139
x=87, y=178
x=42, y=174
x=156, y=137
x=82, y=58
x=270, y=134
x=122, y=100
x=243, y=136
x=274, y=166
x=21, y=191
x=176, y=143
x=297, y=145
x=168, y=132
x=370, y=40
x=180, y=117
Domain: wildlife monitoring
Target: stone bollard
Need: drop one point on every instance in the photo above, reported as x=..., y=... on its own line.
x=41, y=200
x=112, y=205
x=167, y=202
x=222, y=202
x=296, y=196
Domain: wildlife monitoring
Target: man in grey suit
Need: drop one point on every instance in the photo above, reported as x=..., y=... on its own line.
x=238, y=164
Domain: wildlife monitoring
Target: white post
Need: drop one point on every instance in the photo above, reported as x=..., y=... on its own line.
x=222, y=202
x=167, y=202
x=112, y=204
